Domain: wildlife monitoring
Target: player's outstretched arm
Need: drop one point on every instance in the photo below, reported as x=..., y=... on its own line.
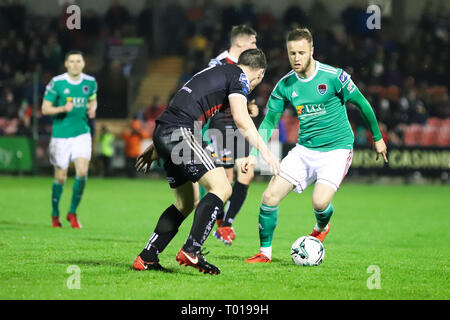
x=238, y=105
x=266, y=129
x=145, y=160
x=371, y=121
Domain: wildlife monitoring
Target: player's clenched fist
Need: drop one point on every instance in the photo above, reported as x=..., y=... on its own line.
x=68, y=106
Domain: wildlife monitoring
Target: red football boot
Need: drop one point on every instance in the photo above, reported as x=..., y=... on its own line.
x=72, y=218
x=320, y=235
x=55, y=222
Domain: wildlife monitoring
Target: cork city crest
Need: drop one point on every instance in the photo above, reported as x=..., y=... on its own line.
x=322, y=88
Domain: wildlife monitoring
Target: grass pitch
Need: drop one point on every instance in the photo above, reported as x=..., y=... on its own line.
x=391, y=238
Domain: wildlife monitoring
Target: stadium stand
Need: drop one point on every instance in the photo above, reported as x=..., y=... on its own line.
x=405, y=79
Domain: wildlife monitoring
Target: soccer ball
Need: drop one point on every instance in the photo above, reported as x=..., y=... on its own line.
x=307, y=251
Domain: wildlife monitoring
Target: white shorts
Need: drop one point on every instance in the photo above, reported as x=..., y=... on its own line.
x=303, y=166
x=65, y=150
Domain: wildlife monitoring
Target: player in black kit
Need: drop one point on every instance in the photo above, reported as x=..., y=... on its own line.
x=177, y=140
x=230, y=146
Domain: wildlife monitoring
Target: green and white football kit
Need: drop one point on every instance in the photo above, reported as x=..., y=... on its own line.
x=71, y=136
x=325, y=139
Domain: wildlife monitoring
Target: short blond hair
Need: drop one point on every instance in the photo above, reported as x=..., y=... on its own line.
x=299, y=34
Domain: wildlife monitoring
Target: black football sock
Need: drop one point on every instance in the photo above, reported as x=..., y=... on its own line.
x=204, y=219
x=165, y=230
x=236, y=201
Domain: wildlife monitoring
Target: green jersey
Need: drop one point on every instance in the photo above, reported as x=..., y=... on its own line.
x=62, y=89
x=319, y=102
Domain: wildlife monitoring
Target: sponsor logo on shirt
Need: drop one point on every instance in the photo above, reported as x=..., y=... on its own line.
x=79, y=102
x=343, y=76
x=243, y=80
x=300, y=110
x=351, y=86
x=186, y=89
x=310, y=110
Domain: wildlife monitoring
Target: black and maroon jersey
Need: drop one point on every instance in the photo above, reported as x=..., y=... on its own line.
x=223, y=119
x=222, y=59
x=204, y=95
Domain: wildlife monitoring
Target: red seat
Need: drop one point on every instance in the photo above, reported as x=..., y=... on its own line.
x=429, y=135
x=412, y=134
x=434, y=121
x=443, y=138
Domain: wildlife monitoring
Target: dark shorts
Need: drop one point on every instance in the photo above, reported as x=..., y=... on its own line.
x=186, y=157
x=229, y=144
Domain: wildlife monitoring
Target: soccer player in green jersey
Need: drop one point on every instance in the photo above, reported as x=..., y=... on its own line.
x=70, y=99
x=323, y=153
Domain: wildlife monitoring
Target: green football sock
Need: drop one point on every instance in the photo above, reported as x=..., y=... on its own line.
x=57, y=190
x=323, y=217
x=78, y=188
x=268, y=218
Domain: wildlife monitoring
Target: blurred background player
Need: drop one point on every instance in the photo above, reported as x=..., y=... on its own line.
x=186, y=161
x=71, y=99
x=133, y=137
x=324, y=150
x=229, y=144
x=106, y=150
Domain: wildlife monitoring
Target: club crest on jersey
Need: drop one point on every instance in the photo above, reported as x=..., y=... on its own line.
x=322, y=88
x=243, y=80
x=85, y=89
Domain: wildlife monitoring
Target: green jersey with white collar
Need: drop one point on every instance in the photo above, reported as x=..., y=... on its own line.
x=319, y=102
x=62, y=89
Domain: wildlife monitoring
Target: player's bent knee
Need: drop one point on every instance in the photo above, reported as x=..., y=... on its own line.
x=81, y=172
x=223, y=191
x=185, y=207
x=227, y=191
x=320, y=204
x=61, y=180
x=270, y=198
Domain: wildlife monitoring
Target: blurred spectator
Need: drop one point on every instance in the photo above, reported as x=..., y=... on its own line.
x=116, y=17
x=8, y=107
x=294, y=16
x=247, y=12
x=174, y=20
x=154, y=110
x=52, y=54
x=360, y=136
x=352, y=18
x=145, y=23
x=318, y=14
x=106, y=150
x=230, y=17
x=194, y=14
x=133, y=137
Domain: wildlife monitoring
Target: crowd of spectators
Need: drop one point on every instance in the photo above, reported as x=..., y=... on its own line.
x=405, y=80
